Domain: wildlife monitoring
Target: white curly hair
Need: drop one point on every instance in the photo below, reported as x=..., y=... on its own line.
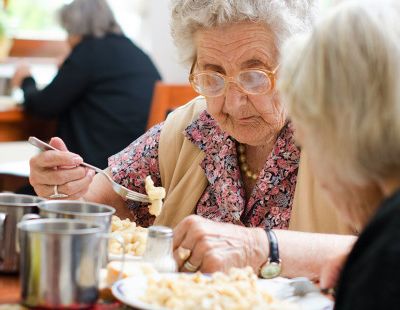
x=284, y=17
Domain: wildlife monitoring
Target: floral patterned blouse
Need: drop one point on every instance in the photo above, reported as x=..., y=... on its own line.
x=224, y=198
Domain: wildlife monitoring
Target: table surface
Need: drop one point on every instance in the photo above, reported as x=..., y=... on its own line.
x=10, y=294
x=15, y=156
x=9, y=289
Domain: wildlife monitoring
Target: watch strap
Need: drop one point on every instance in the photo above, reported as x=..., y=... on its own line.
x=273, y=246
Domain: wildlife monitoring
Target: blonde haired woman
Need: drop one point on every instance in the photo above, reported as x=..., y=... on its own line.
x=341, y=85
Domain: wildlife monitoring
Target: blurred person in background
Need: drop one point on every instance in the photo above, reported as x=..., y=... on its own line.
x=341, y=83
x=103, y=90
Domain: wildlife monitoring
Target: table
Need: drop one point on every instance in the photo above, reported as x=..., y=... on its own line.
x=9, y=289
x=16, y=125
x=10, y=294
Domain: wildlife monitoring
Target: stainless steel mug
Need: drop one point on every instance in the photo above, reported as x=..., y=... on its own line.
x=94, y=213
x=12, y=208
x=91, y=212
x=60, y=263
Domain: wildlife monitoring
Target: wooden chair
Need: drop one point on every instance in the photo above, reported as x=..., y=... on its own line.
x=166, y=98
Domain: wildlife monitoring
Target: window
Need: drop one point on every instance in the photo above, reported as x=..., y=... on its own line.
x=37, y=19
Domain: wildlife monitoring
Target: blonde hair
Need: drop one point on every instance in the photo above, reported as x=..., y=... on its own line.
x=341, y=85
x=284, y=17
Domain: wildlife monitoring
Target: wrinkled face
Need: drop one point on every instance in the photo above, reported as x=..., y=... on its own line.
x=250, y=119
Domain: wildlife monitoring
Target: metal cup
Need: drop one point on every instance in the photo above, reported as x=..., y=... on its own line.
x=94, y=213
x=91, y=212
x=12, y=209
x=60, y=263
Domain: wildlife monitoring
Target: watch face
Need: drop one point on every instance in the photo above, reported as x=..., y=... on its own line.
x=270, y=270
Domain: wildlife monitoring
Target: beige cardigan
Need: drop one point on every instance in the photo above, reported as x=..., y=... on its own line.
x=185, y=181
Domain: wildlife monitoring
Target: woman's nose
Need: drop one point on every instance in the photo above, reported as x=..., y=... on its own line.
x=234, y=96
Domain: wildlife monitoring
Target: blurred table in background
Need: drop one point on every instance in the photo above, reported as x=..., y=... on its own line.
x=14, y=164
x=16, y=125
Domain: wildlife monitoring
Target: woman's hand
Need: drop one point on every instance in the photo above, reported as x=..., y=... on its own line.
x=331, y=271
x=59, y=168
x=21, y=72
x=218, y=246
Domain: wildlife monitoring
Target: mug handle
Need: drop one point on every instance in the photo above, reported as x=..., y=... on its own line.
x=121, y=241
x=3, y=217
x=25, y=217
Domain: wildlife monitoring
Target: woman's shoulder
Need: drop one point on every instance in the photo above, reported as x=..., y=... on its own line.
x=91, y=44
x=183, y=116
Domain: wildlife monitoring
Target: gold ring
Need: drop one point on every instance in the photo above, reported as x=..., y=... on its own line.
x=56, y=194
x=190, y=267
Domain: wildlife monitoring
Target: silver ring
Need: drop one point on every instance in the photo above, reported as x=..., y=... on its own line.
x=190, y=267
x=56, y=194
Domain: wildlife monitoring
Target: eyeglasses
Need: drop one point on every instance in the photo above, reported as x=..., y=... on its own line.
x=250, y=81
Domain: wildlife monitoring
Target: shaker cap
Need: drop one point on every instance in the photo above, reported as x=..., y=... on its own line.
x=160, y=232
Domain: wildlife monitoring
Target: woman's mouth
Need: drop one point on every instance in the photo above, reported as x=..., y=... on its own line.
x=245, y=120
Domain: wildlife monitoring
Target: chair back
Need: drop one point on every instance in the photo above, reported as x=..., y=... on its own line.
x=166, y=98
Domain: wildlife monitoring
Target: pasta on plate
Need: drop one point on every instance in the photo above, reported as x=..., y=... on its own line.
x=134, y=236
x=237, y=290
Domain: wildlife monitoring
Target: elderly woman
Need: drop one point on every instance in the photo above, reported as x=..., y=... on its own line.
x=341, y=84
x=228, y=156
x=102, y=92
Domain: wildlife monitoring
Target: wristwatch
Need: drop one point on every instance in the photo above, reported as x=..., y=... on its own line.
x=272, y=268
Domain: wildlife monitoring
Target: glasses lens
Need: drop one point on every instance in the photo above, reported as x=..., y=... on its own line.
x=254, y=81
x=208, y=84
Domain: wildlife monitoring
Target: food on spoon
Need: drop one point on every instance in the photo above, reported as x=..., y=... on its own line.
x=134, y=236
x=156, y=194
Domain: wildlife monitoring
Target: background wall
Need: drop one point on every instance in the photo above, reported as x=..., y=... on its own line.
x=156, y=31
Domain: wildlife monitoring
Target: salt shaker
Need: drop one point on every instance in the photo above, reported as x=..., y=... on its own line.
x=159, y=251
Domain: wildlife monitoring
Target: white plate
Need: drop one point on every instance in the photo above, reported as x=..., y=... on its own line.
x=128, y=257
x=130, y=290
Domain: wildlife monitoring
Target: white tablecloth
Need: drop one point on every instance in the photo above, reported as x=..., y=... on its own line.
x=14, y=157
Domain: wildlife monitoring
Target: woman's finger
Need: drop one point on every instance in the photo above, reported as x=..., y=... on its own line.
x=201, y=249
x=51, y=159
x=57, y=177
x=73, y=188
x=58, y=144
x=183, y=228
